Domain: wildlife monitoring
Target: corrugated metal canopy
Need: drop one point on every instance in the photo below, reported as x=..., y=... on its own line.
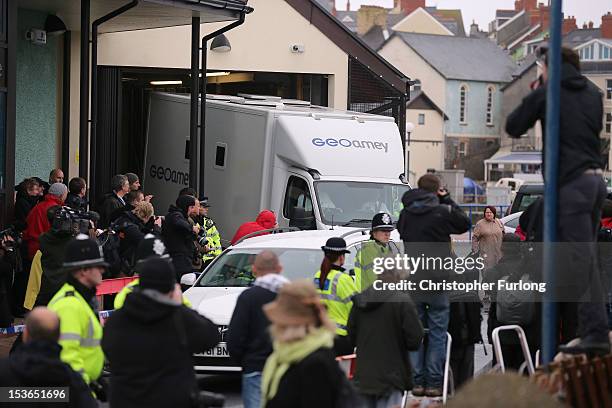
x=148, y=14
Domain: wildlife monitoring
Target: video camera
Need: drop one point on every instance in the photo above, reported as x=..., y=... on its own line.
x=73, y=222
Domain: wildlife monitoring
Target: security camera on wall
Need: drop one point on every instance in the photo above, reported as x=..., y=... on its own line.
x=36, y=36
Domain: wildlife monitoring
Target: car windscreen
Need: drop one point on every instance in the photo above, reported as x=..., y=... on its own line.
x=234, y=267
x=353, y=203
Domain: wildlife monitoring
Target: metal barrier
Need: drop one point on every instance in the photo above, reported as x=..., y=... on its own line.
x=524, y=346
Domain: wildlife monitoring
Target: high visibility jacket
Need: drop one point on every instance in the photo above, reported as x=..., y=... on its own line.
x=80, y=333
x=33, y=282
x=337, y=296
x=129, y=288
x=214, y=240
x=364, y=261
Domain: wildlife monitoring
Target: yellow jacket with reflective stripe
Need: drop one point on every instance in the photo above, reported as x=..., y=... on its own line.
x=33, y=282
x=80, y=333
x=364, y=262
x=129, y=288
x=337, y=296
x=214, y=240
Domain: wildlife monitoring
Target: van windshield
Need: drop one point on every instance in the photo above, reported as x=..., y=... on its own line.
x=352, y=203
x=234, y=268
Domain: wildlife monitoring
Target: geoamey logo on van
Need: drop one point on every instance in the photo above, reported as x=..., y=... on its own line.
x=169, y=174
x=347, y=143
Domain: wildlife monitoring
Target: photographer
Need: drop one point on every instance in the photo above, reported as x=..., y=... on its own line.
x=134, y=226
x=65, y=224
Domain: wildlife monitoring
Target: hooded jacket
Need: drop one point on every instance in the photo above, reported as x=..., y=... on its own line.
x=38, y=364
x=384, y=326
x=149, y=343
x=38, y=223
x=178, y=236
x=580, y=126
x=265, y=220
x=426, y=224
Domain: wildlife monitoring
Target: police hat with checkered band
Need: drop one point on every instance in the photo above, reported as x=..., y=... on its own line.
x=382, y=222
x=335, y=245
x=83, y=252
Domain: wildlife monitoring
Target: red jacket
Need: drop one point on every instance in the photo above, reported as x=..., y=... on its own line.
x=38, y=223
x=265, y=220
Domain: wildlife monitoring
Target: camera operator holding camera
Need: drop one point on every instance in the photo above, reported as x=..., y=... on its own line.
x=65, y=224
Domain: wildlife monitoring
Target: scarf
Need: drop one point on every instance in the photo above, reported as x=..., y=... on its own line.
x=287, y=354
x=271, y=282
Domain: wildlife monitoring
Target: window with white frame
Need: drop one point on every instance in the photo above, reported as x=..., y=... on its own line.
x=490, y=91
x=463, y=93
x=462, y=151
x=609, y=123
x=421, y=118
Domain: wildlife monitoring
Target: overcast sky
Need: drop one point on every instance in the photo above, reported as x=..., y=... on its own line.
x=483, y=11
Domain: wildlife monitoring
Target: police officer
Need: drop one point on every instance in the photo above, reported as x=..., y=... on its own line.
x=150, y=247
x=336, y=289
x=213, y=246
x=378, y=246
x=75, y=304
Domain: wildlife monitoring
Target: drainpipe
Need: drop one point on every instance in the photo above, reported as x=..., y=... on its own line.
x=84, y=91
x=205, y=40
x=94, y=85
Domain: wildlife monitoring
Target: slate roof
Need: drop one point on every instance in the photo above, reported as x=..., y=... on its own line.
x=462, y=58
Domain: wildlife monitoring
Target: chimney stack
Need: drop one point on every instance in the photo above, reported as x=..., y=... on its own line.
x=408, y=6
x=606, y=26
x=370, y=16
x=348, y=5
x=591, y=24
x=569, y=25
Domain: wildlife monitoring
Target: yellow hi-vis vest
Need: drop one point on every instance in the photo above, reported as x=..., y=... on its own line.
x=129, y=288
x=364, y=261
x=80, y=333
x=337, y=296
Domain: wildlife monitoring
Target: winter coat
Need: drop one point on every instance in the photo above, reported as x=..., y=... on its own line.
x=38, y=223
x=23, y=205
x=107, y=209
x=76, y=202
x=426, y=224
x=178, y=235
x=149, y=344
x=52, y=247
x=132, y=231
x=248, y=339
x=313, y=382
x=487, y=239
x=38, y=364
x=580, y=126
x=265, y=220
x=385, y=327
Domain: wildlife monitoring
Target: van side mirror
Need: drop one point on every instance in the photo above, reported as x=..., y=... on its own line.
x=302, y=219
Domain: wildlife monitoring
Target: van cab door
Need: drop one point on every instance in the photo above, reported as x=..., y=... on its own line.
x=298, y=209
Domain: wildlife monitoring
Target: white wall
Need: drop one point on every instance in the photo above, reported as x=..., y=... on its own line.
x=261, y=44
x=413, y=66
x=426, y=141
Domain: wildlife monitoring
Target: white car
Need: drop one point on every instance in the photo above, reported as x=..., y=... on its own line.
x=215, y=292
x=511, y=222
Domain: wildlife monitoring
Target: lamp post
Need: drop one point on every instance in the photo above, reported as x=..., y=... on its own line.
x=409, y=130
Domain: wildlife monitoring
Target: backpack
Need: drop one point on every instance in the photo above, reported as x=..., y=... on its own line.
x=515, y=306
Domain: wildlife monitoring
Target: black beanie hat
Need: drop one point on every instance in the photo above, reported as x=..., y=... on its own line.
x=184, y=202
x=157, y=274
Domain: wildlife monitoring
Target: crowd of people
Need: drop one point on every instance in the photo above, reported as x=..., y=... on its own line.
x=286, y=335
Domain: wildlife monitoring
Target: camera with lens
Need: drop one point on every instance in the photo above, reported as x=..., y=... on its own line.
x=73, y=222
x=11, y=238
